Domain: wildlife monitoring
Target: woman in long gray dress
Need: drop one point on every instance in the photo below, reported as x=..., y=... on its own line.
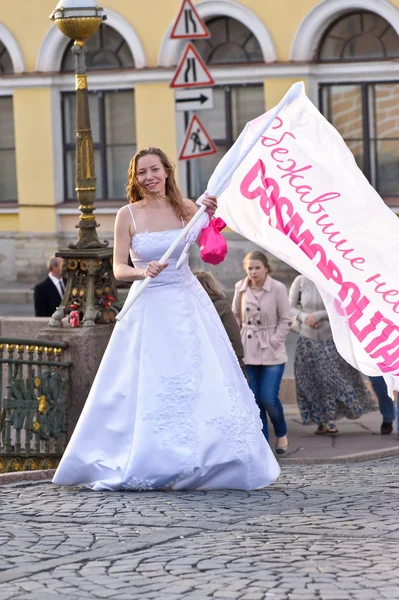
x=327, y=387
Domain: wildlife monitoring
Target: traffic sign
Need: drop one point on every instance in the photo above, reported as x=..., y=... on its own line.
x=197, y=141
x=189, y=24
x=194, y=99
x=191, y=70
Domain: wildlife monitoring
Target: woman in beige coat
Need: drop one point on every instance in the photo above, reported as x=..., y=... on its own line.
x=262, y=310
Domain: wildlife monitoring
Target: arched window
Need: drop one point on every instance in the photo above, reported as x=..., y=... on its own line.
x=357, y=37
x=112, y=117
x=365, y=113
x=105, y=50
x=5, y=61
x=230, y=42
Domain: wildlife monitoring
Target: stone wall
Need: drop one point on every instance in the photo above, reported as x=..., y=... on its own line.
x=7, y=256
x=23, y=256
x=22, y=327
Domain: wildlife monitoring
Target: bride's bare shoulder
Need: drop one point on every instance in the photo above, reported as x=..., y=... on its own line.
x=190, y=206
x=131, y=208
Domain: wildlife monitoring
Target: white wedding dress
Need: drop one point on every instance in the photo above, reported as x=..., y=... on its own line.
x=169, y=407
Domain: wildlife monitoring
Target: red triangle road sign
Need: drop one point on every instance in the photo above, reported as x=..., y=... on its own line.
x=189, y=24
x=191, y=70
x=197, y=141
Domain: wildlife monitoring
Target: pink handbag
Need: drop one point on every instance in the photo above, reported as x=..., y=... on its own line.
x=213, y=246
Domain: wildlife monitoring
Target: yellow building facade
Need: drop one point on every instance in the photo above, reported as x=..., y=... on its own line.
x=344, y=50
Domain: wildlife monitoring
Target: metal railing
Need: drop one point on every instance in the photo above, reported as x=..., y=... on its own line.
x=34, y=397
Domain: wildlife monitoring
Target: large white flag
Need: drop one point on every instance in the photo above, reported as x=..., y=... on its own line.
x=299, y=194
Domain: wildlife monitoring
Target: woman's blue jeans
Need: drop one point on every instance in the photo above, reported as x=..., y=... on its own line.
x=264, y=381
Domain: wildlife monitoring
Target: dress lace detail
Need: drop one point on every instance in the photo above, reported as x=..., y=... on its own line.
x=143, y=241
x=239, y=428
x=141, y=485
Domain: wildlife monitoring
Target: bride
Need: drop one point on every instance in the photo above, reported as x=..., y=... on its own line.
x=169, y=407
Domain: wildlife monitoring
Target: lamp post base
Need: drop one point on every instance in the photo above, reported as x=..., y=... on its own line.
x=90, y=288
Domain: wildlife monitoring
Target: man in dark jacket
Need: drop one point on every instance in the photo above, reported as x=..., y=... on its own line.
x=48, y=293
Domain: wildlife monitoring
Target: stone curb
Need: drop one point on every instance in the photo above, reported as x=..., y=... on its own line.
x=346, y=458
x=26, y=476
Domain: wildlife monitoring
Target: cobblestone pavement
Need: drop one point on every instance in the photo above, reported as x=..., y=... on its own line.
x=325, y=532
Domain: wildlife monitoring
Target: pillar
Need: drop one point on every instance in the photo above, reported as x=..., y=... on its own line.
x=155, y=118
x=37, y=237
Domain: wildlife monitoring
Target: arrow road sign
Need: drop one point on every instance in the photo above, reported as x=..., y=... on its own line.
x=194, y=99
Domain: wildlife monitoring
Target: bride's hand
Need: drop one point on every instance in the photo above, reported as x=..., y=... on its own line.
x=154, y=268
x=211, y=204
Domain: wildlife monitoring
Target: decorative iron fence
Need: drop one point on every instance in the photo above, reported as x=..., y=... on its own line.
x=34, y=396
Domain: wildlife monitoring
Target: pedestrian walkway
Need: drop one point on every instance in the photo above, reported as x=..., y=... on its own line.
x=356, y=440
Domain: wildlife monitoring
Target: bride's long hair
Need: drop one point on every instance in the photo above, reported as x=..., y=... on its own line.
x=135, y=192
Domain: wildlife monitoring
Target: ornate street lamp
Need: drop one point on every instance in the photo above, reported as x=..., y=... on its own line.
x=91, y=286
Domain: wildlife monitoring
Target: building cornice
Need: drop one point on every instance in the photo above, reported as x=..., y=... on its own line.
x=371, y=71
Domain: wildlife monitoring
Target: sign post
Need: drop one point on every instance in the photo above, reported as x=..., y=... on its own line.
x=191, y=82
